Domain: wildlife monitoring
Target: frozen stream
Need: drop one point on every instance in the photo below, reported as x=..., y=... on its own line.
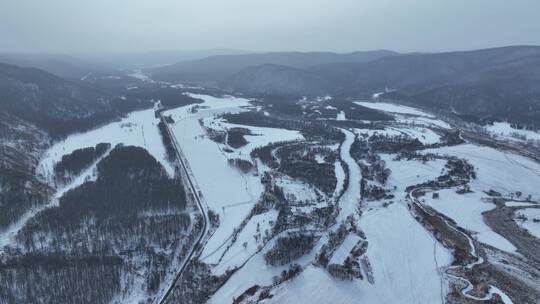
x=350, y=200
x=406, y=261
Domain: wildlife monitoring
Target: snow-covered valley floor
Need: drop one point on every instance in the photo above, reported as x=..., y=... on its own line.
x=228, y=192
x=408, y=263
x=327, y=211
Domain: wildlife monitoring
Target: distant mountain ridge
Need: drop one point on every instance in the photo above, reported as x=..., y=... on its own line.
x=277, y=79
x=496, y=83
x=64, y=66
x=501, y=83
x=422, y=71
x=221, y=67
x=77, y=66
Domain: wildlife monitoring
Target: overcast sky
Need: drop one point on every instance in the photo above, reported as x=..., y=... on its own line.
x=71, y=26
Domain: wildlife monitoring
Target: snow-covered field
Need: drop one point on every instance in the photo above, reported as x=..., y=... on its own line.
x=371, y=132
x=392, y=108
x=466, y=209
x=520, y=204
x=297, y=190
x=406, y=173
x=405, y=259
x=343, y=251
x=498, y=170
x=532, y=225
x=423, y=121
x=341, y=116
x=504, y=130
x=315, y=285
x=232, y=199
x=259, y=225
x=415, y=122
x=255, y=272
x=137, y=129
x=261, y=136
x=227, y=191
x=424, y=135
x=407, y=263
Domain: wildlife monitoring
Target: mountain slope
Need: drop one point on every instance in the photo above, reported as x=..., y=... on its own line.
x=218, y=68
x=52, y=103
x=155, y=58
x=63, y=66
x=508, y=91
x=35, y=108
x=421, y=71
x=277, y=79
x=499, y=83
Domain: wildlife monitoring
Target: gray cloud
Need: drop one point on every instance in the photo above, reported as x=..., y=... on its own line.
x=263, y=25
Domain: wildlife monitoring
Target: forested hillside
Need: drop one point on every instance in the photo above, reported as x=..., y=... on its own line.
x=110, y=231
x=219, y=68
x=484, y=85
x=56, y=105
x=36, y=108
